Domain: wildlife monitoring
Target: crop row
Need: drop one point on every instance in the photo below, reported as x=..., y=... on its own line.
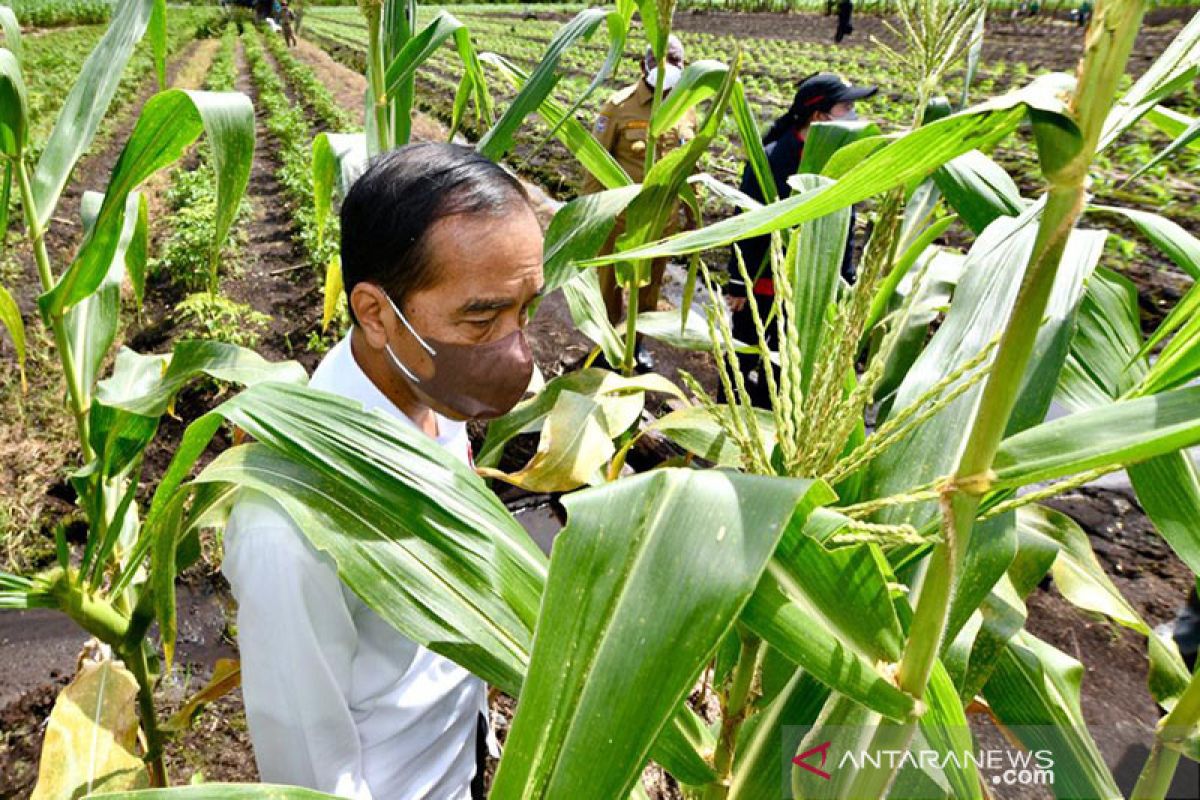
x=770, y=69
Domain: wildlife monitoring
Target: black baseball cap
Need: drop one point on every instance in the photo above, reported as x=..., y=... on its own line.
x=824, y=90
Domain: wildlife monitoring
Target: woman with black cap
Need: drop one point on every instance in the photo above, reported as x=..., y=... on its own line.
x=819, y=98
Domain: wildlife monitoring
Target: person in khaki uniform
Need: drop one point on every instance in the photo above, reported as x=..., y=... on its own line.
x=623, y=128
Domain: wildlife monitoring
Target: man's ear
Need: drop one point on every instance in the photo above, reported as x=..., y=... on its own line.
x=371, y=309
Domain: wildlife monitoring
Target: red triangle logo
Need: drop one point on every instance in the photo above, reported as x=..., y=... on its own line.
x=802, y=759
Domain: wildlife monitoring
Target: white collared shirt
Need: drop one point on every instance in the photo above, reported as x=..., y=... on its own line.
x=336, y=699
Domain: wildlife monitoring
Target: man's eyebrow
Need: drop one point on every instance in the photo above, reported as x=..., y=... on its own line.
x=477, y=304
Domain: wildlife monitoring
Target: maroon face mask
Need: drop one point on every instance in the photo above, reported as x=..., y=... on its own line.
x=478, y=381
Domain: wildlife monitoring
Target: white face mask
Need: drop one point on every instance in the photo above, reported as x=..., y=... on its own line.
x=671, y=77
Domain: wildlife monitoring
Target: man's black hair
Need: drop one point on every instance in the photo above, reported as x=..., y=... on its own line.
x=388, y=212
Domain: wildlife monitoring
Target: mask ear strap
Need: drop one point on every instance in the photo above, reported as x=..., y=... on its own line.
x=416, y=335
x=407, y=372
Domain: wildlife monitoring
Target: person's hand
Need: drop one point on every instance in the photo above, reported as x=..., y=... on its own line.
x=735, y=304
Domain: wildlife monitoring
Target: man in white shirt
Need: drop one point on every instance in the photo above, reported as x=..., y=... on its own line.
x=441, y=257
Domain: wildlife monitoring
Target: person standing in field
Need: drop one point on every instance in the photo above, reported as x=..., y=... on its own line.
x=819, y=98
x=286, y=18
x=441, y=257
x=623, y=128
x=845, y=10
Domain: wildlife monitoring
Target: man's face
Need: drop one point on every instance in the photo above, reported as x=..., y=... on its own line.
x=488, y=270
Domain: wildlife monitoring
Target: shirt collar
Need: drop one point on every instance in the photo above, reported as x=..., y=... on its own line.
x=339, y=373
x=645, y=94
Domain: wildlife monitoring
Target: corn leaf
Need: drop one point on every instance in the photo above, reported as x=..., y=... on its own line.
x=401, y=519
x=982, y=302
x=337, y=160
x=91, y=736
x=92, y=324
x=905, y=159
x=14, y=107
x=576, y=442
x=576, y=138
x=11, y=28
x=158, y=41
x=87, y=104
x=1120, y=433
x=528, y=415
x=541, y=82
x=1175, y=69
x=578, y=230
x=1171, y=122
x=10, y=318
x=1175, y=243
x=826, y=138
x=613, y=653
x=979, y=190
x=169, y=123
x=1034, y=692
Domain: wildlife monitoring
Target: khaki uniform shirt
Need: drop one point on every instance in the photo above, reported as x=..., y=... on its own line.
x=624, y=126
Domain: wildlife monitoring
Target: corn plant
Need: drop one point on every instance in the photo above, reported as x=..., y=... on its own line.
x=117, y=587
x=867, y=586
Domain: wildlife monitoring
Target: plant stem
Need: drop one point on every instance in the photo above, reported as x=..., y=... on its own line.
x=37, y=238
x=135, y=659
x=1108, y=45
x=377, y=73
x=1176, y=726
x=631, y=289
x=733, y=714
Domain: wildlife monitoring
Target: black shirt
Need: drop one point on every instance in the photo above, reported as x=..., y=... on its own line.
x=784, y=156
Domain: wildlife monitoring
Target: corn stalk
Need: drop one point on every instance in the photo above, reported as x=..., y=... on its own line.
x=1066, y=159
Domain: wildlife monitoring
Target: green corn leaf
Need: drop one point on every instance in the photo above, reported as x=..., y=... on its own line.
x=618, y=31
x=337, y=160
x=782, y=617
x=699, y=82
x=613, y=654
x=756, y=772
x=576, y=138
x=752, y=146
x=87, y=104
x=1175, y=69
x=979, y=190
x=158, y=41
x=982, y=302
x=590, y=315
x=91, y=325
x=814, y=261
x=1034, y=692
x=578, y=230
x=434, y=532
x=1082, y=580
x=908, y=158
x=1186, y=138
x=1172, y=123
x=14, y=107
x=169, y=123
x=1169, y=237
x=12, y=31
x=10, y=318
x=826, y=138
x=528, y=415
x=1124, y=432
x=499, y=140
x=695, y=430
